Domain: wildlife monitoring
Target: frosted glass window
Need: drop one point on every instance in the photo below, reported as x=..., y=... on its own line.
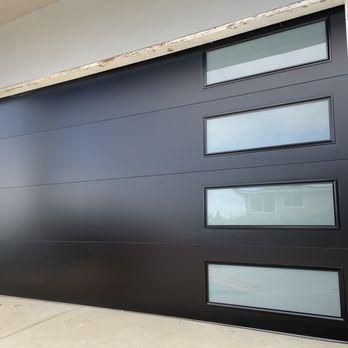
x=281, y=50
x=314, y=292
x=309, y=204
x=299, y=123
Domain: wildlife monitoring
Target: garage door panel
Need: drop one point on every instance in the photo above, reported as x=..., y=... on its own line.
x=166, y=208
x=134, y=277
x=166, y=142
x=111, y=274
x=112, y=194
x=170, y=82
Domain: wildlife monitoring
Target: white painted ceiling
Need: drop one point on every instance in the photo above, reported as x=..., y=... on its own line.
x=12, y=9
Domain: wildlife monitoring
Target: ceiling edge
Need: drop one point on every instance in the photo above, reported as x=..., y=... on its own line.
x=240, y=26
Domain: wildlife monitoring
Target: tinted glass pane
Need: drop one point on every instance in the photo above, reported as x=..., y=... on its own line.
x=295, y=290
x=277, y=51
x=310, y=204
x=283, y=125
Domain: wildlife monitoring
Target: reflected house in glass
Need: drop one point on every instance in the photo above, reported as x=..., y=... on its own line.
x=295, y=290
x=295, y=204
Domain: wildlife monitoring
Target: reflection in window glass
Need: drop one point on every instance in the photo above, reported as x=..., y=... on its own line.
x=262, y=204
x=276, y=51
x=305, y=122
x=310, y=204
x=293, y=200
x=313, y=292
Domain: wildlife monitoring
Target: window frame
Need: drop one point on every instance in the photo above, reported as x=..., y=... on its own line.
x=268, y=31
x=341, y=284
x=332, y=139
x=334, y=227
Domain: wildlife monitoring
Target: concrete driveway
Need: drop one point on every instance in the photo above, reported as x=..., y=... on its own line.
x=34, y=324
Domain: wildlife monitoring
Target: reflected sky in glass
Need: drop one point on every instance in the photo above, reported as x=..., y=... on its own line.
x=282, y=125
x=276, y=51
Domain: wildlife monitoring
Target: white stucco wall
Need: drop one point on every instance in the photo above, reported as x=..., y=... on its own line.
x=70, y=33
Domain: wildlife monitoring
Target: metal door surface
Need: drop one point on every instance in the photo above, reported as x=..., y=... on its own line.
x=103, y=186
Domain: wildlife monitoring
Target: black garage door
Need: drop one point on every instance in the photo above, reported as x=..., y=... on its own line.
x=212, y=184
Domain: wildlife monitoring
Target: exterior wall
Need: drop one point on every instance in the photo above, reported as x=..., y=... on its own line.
x=67, y=33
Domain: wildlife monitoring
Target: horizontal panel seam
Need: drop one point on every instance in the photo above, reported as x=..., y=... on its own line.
x=137, y=114
x=169, y=174
x=23, y=241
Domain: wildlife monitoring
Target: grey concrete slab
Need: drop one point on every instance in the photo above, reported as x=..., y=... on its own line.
x=30, y=323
